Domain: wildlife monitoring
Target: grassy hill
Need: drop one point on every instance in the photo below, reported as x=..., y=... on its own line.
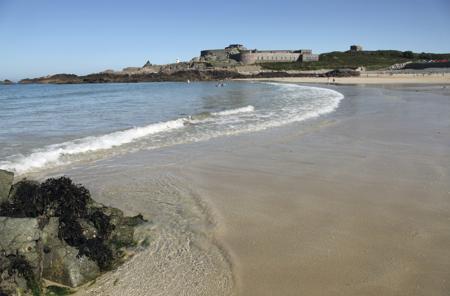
x=372, y=60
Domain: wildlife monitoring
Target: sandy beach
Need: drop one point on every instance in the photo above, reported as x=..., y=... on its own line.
x=356, y=202
x=371, y=78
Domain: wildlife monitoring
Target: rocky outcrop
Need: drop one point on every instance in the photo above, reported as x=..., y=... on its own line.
x=54, y=79
x=6, y=82
x=55, y=231
x=342, y=73
x=165, y=74
x=177, y=72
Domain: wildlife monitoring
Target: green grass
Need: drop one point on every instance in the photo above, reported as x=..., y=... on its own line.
x=372, y=60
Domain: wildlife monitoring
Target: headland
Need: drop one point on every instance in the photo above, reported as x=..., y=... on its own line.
x=237, y=62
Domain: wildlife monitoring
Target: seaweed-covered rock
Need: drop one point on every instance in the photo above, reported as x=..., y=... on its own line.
x=61, y=232
x=21, y=236
x=17, y=277
x=23, y=201
x=20, y=256
x=61, y=262
x=6, y=180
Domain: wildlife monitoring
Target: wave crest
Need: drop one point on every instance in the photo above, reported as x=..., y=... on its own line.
x=246, y=109
x=53, y=154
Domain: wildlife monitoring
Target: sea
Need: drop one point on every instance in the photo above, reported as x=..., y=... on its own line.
x=45, y=126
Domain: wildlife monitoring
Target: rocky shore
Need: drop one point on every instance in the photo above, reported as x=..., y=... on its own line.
x=177, y=73
x=54, y=237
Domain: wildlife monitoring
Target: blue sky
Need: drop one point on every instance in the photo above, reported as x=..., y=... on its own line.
x=47, y=37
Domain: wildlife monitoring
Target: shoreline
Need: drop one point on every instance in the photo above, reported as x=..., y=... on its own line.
x=366, y=78
x=369, y=78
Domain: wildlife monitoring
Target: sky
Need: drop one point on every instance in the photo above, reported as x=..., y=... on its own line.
x=41, y=37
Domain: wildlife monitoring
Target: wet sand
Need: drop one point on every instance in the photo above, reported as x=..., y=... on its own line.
x=356, y=202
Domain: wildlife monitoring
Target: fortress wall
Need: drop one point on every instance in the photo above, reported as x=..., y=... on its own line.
x=305, y=51
x=309, y=57
x=272, y=56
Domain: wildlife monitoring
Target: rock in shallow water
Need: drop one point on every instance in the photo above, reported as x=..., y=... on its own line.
x=61, y=233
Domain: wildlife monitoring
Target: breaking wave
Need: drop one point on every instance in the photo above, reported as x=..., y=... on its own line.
x=247, y=109
x=291, y=103
x=54, y=154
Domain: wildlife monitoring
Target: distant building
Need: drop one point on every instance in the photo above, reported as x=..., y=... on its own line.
x=239, y=53
x=356, y=48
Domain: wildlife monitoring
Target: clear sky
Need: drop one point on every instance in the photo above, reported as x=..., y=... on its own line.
x=40, y=37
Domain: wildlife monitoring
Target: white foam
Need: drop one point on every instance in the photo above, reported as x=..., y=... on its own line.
x=54, y=154
x=246, y=109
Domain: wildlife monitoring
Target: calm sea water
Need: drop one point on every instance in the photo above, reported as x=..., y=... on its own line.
x=50, y=125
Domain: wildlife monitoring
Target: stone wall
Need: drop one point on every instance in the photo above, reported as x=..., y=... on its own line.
x=309, y=57
x=268, y=56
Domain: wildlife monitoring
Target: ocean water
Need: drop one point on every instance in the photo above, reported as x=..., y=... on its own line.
x=46, y=126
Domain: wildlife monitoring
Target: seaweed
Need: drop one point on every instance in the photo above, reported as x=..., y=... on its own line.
x=19, y=265
x=54, y=197
x=65, y=197
x=102, y=223
x=96, y=250
x=58, y=291
x=71, y=232
x=25, y=201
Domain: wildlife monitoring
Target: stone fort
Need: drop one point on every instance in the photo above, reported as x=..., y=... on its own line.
x=239, y=53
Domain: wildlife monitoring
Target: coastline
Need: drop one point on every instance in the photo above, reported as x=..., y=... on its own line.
x=353, y=202
x=369, y=78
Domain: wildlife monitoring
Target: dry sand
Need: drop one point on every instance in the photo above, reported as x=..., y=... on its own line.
x=353, y=203
x=372, y=78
